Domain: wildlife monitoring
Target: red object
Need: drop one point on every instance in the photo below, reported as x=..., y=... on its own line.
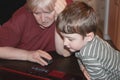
x=23, y=73
x=57, y=74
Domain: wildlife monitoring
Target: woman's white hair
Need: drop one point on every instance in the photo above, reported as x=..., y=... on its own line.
x=42, y=4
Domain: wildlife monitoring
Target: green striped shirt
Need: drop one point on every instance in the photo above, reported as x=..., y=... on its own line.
x=100, y=60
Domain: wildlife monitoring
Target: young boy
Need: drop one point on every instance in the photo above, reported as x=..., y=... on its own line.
x=77, y=25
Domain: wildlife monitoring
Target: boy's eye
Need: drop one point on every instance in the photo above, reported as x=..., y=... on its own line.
x=70, y=39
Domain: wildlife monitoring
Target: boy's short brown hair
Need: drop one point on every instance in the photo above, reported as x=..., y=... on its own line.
x=77, y=17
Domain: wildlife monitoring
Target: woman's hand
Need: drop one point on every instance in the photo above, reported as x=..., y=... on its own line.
x=60, y=5
x=37, y=57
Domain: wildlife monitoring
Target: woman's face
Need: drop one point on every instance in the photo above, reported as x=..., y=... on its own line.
x=44, y=17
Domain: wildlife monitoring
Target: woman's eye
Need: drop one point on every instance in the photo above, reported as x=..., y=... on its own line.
x=37, y=13
x=47, y=12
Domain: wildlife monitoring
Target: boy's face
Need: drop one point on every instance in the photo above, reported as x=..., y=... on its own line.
x=73, y=42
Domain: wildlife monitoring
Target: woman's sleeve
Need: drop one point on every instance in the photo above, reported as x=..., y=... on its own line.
x=10, y=31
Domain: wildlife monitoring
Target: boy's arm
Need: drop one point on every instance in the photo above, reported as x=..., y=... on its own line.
x=85, y=72
x=95, y=68
x=59, y=46
x=82, y=68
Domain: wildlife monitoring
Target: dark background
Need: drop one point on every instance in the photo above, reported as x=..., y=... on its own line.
x=8, y=7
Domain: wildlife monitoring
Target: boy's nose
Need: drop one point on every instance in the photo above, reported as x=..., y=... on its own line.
x=65, y=43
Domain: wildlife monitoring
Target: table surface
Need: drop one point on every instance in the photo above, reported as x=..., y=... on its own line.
x=60, y=69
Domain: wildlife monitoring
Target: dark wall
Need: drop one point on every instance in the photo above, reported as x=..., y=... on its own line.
x=8, y=7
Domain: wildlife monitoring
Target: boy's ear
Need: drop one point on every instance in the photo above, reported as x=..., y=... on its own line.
x=89, y=36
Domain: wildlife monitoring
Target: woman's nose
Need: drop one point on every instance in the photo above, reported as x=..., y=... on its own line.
x=43, y=18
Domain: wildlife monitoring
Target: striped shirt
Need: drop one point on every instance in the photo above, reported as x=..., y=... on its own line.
x=100, y=60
